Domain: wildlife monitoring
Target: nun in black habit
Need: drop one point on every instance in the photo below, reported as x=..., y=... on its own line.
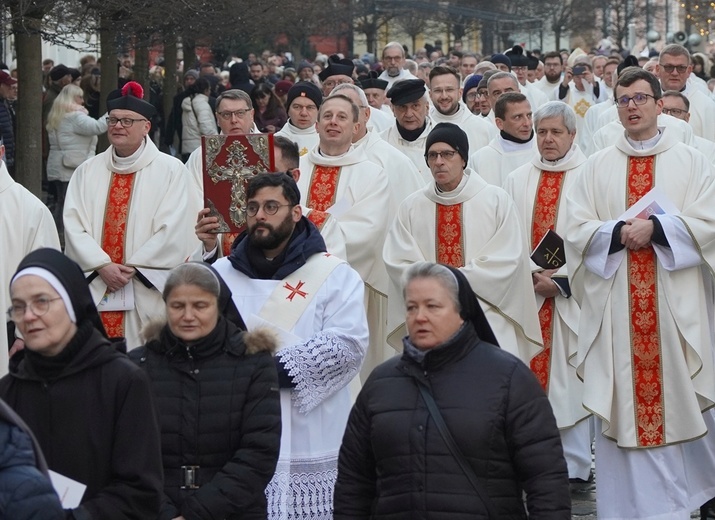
x=455, y=427
x=89, y=406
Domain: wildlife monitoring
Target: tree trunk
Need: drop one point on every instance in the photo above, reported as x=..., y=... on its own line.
x=108, y=52
x=170, y=79
x=28, y=155
x=557, y=39
x=141, y=66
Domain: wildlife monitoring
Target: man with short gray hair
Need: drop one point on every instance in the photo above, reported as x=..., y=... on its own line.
x=393, y=61
x=538, y=189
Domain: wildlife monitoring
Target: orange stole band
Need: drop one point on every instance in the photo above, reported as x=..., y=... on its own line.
x=323, y=187
x=227, y=241
x=321, y=193
x=448, y=230
x=546, y=205
x=645, y=334
x=113, y=238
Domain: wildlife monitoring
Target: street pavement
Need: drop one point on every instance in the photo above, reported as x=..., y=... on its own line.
x=583, y=502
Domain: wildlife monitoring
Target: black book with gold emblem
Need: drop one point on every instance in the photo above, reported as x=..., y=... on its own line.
x=549, y=254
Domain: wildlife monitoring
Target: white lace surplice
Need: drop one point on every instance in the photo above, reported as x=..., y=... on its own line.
x=314, y=413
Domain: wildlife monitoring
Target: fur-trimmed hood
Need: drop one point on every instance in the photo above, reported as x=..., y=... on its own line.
x=261, y=339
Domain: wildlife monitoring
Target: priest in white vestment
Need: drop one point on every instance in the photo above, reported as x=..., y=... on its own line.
x=539, y=193
x=514, y=146
x=447, y=107
x=349, y=199
x=393, y=61
x=645, y=284
x=673, y=69
x=677, y=105
x=581, y=92
x=412, y=124
x=403, y=180
x=280, y=275
x=25, y=225
x=128, y=219
x=303, y=101
x=462, y=221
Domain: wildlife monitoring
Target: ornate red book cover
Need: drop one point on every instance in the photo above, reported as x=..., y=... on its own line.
x=228, y=162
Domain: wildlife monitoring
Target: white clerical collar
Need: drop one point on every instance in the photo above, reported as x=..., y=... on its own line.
x=456, y=190
x=320, y=152
x=511, y=146
x=295, y=130
x=123, y=162
x=646, y=144
x=563, y=160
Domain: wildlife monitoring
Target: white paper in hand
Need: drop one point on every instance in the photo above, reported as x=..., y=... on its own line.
x=70, y=491
x=121, y=300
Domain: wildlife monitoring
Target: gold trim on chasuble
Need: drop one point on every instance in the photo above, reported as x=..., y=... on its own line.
x=114, y=238
x=449, y=239
x=321, y=192
x=546, y=205
x=646, y=355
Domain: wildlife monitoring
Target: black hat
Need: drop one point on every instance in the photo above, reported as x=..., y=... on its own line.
x=337, y=66
x=305, y=89
x=630, y=61
x=472, y=82
x=71, y=277
x=58, y=72
x=372, y=81
x=516, y=56
x=452, y=135
x=75, y=74
x=406, y=91
x=501, y=58
x=130, y=98
x=533, y=62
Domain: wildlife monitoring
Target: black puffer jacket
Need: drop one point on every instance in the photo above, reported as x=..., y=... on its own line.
x=219, y=408
x=25, y=492
x=394, y=464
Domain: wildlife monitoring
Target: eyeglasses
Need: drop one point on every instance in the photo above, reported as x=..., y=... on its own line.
x=440, y=91
x=269, y=208
x=39, y=307
x=126, y=122
x=333, y=83
x=472, y=96
x=676, y=112
x=228, y=114
x=670, y=68
x=520, y=69
x=391, y=58
x=638, y=99
x=446, y=155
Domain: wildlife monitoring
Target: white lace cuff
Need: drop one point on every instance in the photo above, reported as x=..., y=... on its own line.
x=320, y=367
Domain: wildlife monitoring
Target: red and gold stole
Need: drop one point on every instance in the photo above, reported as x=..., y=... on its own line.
x=546, y=205
x=643, y=304
x=114, y=238
x=226, y=242
x=321, y=192
x=448, y=235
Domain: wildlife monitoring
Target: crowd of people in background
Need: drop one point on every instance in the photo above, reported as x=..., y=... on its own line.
x=396, y=333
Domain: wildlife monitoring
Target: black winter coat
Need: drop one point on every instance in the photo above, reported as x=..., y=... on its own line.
x=394, y=464
x=219, y=408
x=95, y=422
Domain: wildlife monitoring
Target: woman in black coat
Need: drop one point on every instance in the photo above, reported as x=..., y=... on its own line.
x=216, y=389
x=396, y=464
x=89, y=406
